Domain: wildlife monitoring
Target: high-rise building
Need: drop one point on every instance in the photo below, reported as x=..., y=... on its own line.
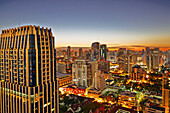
x=166, y=90
x=80, y=52
x=99, y=82
x=144, y=58
x=149, y=59
x=28, y=71
x=103, y=52
x=69, y=53
x=156, y=58
x=130, y=64
x=138, y=73
x=81, y=73
x=95, y=51
x=94, y=68
x=121, y=58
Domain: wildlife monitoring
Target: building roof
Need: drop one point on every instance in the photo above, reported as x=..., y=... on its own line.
x=128, y=93
x=58, y=75
x=136, y=66
x=116, y=108
x=156, y=108
x=108, y=80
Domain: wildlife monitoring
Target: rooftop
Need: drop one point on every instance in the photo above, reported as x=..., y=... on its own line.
x=61, y=74
x=128, y=93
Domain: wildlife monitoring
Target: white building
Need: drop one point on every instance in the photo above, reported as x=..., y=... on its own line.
x=80, y=69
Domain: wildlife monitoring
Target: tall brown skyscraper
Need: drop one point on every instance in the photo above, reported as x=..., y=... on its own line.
x=27, y=71
x=69, y=53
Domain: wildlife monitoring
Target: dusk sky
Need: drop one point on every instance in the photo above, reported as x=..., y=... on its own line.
x=81, y=22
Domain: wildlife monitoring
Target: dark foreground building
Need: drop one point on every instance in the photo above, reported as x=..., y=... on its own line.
x=27, y=71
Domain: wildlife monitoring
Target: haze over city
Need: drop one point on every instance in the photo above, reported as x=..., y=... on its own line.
x=117, y=23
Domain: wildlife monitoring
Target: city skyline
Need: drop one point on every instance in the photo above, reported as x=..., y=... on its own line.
x=121, y=23
x=85, y=56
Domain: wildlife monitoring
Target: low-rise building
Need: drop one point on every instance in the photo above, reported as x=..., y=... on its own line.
x=64, y=79
x=154, y=109
x=61, y=67
x=120, y=109
x=138, y=73
x=127, y=99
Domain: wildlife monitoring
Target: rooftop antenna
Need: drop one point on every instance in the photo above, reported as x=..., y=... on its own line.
x=19, y=23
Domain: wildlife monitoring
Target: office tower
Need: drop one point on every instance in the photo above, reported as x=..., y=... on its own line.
x=166, y=90
x=156, y=59
x=27, y=71
x=68, y=53
x=168, y=58
x=81, y=73
x=103, y=52
x=80, y=52
x=95, y=51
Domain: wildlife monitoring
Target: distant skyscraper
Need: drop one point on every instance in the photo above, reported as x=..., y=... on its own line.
x=121, y=58
x=80, y=52
x=103, y=52
x=76, y=53
x=130, y=64
x=69, y=53
x=166, y=90
x=144, y=58
x=147, y=57
x=95, y=51
x=156, y=58
x=27, y=71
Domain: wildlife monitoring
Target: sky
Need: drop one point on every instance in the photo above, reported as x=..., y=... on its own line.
x=76, y=23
